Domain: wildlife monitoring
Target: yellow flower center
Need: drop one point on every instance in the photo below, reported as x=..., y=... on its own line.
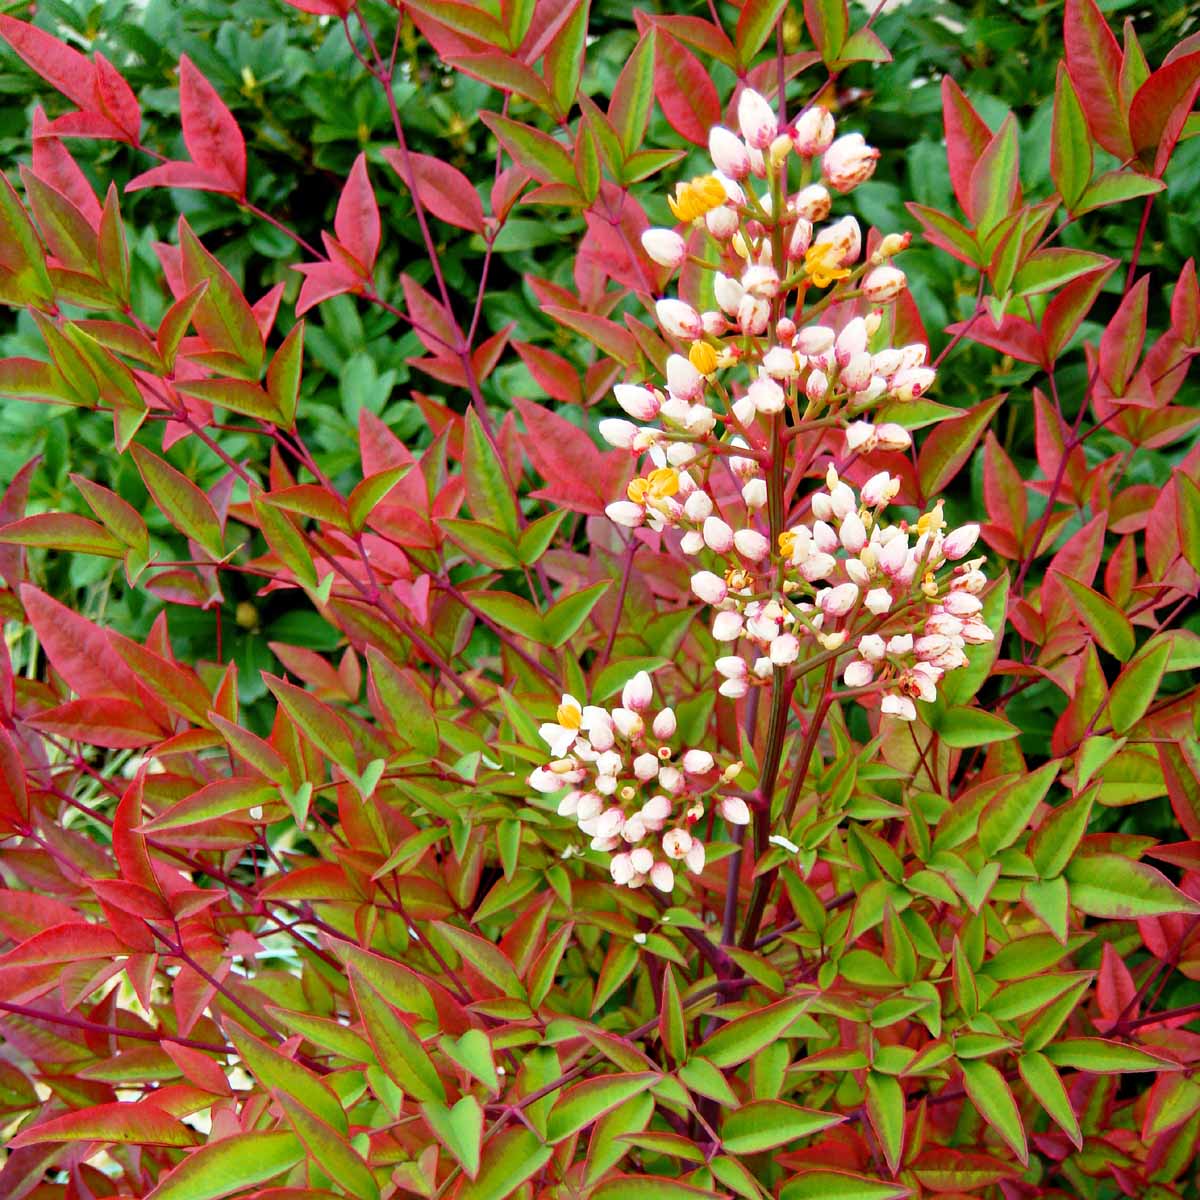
x=821, y=264
x=568, y=716
x=658, y=485
x=703, y=357
x=931, y=522
x=787, y=543
x=699, y=196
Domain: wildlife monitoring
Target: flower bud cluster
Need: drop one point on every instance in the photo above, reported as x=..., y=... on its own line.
x=634, y=792
x=899, y=599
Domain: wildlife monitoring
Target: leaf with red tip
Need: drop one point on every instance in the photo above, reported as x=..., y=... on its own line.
x=60, y=66
x=1065, y=313
x=685, y=90
x=181, y=501
x=1160, y=109
x=967, y=137
x=1124, y=335
x=117, y=101
x=322, y=281
x=1094, y=63
x=222, y=315
x=356, y=222
x=137, y=1124
x=995, y=186
x=442, y=189
x=210, y=131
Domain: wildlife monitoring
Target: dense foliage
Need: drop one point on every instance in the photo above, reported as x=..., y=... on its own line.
x=553, y=651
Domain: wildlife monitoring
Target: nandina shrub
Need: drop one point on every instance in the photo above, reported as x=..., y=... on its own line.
x=659, y=819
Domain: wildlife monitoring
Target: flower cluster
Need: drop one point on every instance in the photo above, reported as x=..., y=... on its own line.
x=634, y=793
x=792, y=347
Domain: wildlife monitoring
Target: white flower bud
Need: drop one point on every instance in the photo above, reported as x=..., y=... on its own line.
x=683, y=380
x=837, y=601
x=679, y=319
x=858, y=673
x=884, y=284
x=626, y=513
x=662, y=877
x=618, y=433
x=813, y=202
x=754, y=494
x=958, y=544
x=812, y=131
x=734, y=810
x=664, y=725
x=727, y=626
x=728, y=292
x=731, y=666
x=878, y=601
x=642, y=859
x=691, y=543
x=718, y=536
x=751, y=544
x=784, y=649
x=768, y=397
x=848, y=162
x=728, y=153
x=722, y=222
x=708, y=587
x=665, y=247
x=638, y=692
x=698, y=762
x=645, y=767
x=676, y=843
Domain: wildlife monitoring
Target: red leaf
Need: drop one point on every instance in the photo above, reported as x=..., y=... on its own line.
x=323, y=280
x=77, y=649
x=1066, y=311
x=210, y=132
x=14, y=798
x=64, y=944
x=1159, y=110
x=967, y=136
x=53, y=164
x=1094, y=64
x=1004, y=497
x=323, y=8
x=141, y=1124
x=442, y=189
x=12, y=506
x=117, y=101
x=356, y=222
x=1185, y=306
x=100, y=721
x=576, y=472
x=1124, y=335
x=1015, y=336
x=179, y=175
x=558, y=378
x=685, y=91
x=65, y=69
x=431, y=322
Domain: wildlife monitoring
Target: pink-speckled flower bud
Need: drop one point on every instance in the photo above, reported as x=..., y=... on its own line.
x=856, y=374
x=784, y=649
x=837, y=601
x=676, y=843
x=734, y=810
x=853, y=533
x=813, y=131
x=722, y=222
x=727, y=626
x=959, y=543
x=878, y=601
x=728, y=152
x=815, y=339
x=813, y=202
x=890, y=436
x=858, y=673
x=761, y=282
x=698, y=762
x=756, y=119
x=880, y=489
x=679, y=319
x=816, y=386
x=768, y=397
x=753, y=315
x=638, y=692
x=848, y=162
x=800, y=239
x=639, y=402
x=846, y=238
x=911, y=383
x=662, y=877
x=664, y=725
x=884, y=284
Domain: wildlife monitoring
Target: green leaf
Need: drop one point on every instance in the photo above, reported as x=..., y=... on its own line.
x=1109, y=885
x=370, y=492
x=565, y=618
x=510, y=612
x=405, y=703
x=746, y=1036
x=1070, y=145
x=1008, y=815
x=586, y=1102
x=563, y=63
x=1105, y=621
x=118, y=515
x=489, y=493
x=65, y=532
x=1046, y=270
x=317, y=721
x=181, y=501
x=509, y=1158
x=672, y=1024
x=993, y=181
x=1136, y=686
x=399, y=1050
x=1059, y=835
x=1100, y=1056
x=222, y=316
x=542, y=973
x=459, y=1129
x=765, y=1124
x=700, y=1076
x=1115, y=187
x=329, y=1148
x=633, y=95
x=473, y=1052
x=758, y=18
x=487, y=958
x=121, y=1124
x=993, y=1098
x=966, y=727
x=840, y=1185
x=230, y=1165
x=484, y=543
x=535, y=539
x=544, y=158
x=885, y=1110
x=647, y=1187
x=283, y=376
x=1042, y=1080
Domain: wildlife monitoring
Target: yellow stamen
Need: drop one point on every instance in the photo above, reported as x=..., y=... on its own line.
x=787, y=543
x=821, y=264
x=568, y=716
x=703, y=357
x=694, y=199
x=931, y=522
x=637, y=489
x=663, y=482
